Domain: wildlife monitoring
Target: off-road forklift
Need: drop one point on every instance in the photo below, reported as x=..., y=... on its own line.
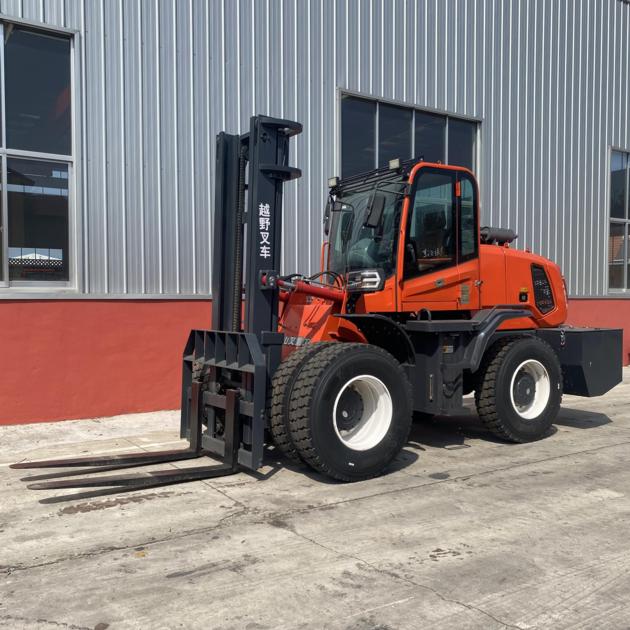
x=414, y=307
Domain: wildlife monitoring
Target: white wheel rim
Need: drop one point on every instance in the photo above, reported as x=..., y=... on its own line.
x=376, y=414
x=538, y=378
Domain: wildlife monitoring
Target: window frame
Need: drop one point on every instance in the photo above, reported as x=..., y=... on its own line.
x=625, y=291
x=14, y=287
x=447, y=114
x=462, y=258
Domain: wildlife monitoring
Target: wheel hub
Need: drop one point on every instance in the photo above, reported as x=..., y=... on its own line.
x=530, y=389
x=362, y=413
x=524, y=389
x=349, y=409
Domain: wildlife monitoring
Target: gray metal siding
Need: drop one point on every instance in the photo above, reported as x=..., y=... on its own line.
x=159, y=78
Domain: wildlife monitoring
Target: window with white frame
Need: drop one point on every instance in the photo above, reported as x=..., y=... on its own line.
x=618, y=255
x=36, y=152
x=374, y=132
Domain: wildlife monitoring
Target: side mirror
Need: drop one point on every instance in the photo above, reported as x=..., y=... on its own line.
x=375, y=211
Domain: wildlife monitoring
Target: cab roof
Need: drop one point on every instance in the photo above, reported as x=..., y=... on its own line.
x=367, y=180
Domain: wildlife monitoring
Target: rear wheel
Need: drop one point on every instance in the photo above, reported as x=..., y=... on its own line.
x=350, y=411
x=520, y=389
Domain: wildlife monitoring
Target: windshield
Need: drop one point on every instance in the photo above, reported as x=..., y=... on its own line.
x=353, y=246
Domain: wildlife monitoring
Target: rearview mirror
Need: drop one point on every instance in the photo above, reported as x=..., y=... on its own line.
x=375, y=210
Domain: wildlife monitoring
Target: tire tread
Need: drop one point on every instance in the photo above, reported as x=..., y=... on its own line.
x=302, y=397
x=277, y=402
x=486, y=392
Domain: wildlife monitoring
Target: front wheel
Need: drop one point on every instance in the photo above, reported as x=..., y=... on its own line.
x=350, y=411
x=520, y=389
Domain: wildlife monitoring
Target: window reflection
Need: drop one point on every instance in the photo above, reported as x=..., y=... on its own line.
x=618, y=249
x=358, y=122
x=38, y=220
x=461, y=142
x=394, y=133
x=37, y=86
x=618, y=185
x=430, y=138
x=397, y=129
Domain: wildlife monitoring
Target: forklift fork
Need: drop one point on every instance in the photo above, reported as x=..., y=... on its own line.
x=152, y=479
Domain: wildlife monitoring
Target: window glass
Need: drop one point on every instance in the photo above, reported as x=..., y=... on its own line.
x=461, y=142
x=354, y=245
x=430, y=140
x=431, y=240
x=616, y=255
x=38, y=220
x=397, y=127
x=358, y=121
x=394, y=133
x=618, y=185
x=37, y=85
x=467, y=222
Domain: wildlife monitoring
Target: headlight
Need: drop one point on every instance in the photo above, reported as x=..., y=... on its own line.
x=366, y=280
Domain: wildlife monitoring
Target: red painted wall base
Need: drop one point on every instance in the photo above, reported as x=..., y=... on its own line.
x=69, y=359
x=603, y=314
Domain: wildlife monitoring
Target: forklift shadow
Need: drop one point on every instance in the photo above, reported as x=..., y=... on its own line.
x=448, y=432
x=578, y=419
x=277, y=460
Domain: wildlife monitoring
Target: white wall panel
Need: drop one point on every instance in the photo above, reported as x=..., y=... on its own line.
x=159, y=78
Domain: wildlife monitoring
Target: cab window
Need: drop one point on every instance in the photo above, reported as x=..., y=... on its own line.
x=468, y=218
x=431, y=241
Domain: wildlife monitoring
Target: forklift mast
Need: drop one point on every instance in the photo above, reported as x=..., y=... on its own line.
x=247, y=242
x=263, y=155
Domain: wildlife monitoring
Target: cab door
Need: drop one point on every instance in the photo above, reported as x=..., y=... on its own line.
x=440, y=258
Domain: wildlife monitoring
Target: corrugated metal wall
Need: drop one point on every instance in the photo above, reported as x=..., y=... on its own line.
x=159, y=78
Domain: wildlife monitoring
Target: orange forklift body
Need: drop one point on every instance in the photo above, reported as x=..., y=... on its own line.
x=497, y=275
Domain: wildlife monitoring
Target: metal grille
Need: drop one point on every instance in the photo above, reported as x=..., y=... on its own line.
x=543, y=295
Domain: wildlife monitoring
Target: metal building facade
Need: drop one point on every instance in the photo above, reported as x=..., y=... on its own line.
x=155, y=80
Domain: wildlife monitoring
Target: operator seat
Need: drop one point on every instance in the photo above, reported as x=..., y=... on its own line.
x=432, y=243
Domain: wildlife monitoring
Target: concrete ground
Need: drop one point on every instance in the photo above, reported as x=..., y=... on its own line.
x=464, y=532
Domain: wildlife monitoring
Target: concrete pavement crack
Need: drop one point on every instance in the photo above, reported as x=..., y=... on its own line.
x=396, y=576
x=8, y=569
x=436, y=482
x=225, y=494
x=59, y=624
x=268, y=516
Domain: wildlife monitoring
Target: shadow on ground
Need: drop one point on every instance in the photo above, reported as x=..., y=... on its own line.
x=445, y=432
x=449, y=432
x=578, y=419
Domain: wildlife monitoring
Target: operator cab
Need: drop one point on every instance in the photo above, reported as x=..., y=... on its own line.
x=415, y=223
x=362, y=220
